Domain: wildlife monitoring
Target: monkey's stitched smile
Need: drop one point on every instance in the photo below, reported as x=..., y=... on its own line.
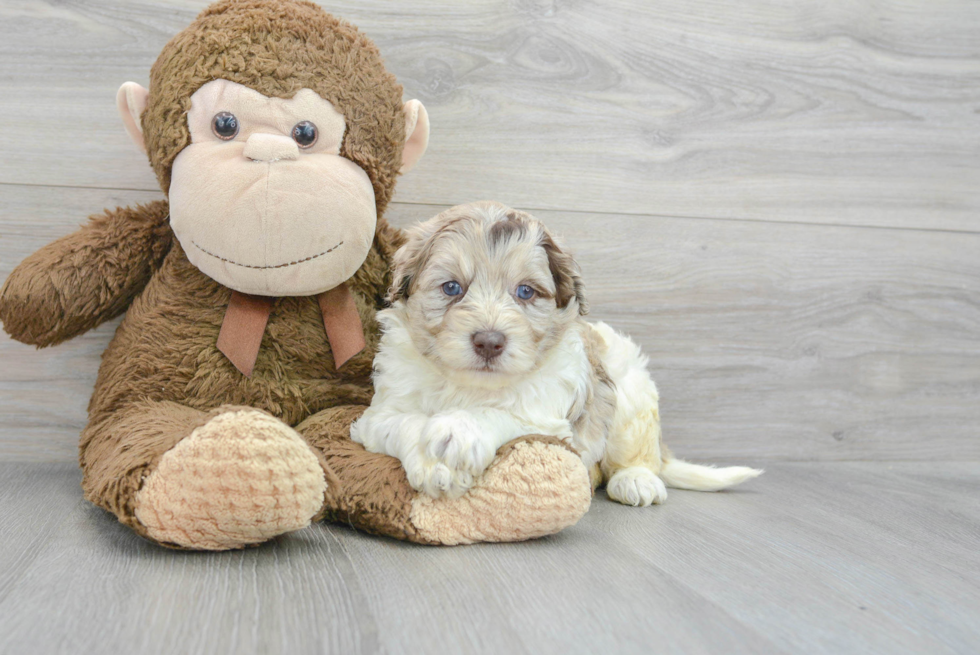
x=259, y=227
x=284, y=265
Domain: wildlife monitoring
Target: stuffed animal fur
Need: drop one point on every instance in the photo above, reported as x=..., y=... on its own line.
x=188, y=447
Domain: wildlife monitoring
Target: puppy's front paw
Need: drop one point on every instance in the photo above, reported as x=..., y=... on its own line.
x=439, y=480
x=360, y=432
x=432, y=477
x=457, y=441
x=454, y=449
x=636, y=486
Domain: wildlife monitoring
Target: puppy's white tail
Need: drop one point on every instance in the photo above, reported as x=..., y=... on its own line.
x=679, y=474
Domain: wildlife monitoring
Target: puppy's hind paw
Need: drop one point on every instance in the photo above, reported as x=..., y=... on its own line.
x=636, y=486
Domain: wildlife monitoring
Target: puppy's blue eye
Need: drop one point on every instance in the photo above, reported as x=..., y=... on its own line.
x=452, y=288
x=525, y=292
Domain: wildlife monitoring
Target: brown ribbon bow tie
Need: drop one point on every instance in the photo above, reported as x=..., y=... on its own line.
x=247, y=315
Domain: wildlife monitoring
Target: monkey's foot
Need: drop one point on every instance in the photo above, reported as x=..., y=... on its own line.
x=536, y=486
x=241, y=478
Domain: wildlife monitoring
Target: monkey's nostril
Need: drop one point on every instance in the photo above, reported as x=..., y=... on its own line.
x=489, y=345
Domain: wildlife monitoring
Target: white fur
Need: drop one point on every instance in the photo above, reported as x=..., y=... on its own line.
x=637, y=486
x=684, y=475
x=425, y=418
x=444, y=412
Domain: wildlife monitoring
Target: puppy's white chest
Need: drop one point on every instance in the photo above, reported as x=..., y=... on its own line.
x=541, y=401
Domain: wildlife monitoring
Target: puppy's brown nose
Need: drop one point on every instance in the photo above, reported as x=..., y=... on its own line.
x=489, y=345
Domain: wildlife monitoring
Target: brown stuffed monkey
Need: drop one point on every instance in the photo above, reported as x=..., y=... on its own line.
x=223, y=404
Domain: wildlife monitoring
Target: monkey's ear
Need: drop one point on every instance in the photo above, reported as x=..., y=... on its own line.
x=416, y=134
x=131, y=101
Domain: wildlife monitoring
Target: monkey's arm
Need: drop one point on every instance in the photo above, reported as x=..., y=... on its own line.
x=72, y=285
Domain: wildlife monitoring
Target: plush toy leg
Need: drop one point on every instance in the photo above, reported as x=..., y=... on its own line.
x=214, y=480
x=536, y=486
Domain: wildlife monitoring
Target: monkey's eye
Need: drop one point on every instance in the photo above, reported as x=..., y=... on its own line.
x=304, y=134
x=225, y=125
x=524, y=292
x=452, y=288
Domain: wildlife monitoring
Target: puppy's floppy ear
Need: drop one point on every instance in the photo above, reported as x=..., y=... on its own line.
x=405, y=268
x=410, y=259
x=568, y=277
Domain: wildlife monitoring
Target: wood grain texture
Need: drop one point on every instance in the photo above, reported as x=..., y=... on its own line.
x=810, y=558
x=711, y=164
x=834, y=112
x=768, y=341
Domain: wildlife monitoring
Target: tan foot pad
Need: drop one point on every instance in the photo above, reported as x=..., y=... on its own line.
x=535, y=487
x=241, y=478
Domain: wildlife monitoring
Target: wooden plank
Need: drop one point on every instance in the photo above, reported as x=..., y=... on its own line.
x=37, y=501
x=831, y=112
x=811, y=558
x=794, y=341
x=768, y=341
x=828, y=558
x=95, y=586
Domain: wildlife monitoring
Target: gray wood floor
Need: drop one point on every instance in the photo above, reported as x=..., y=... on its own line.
x=779, y=200
x=852, y=557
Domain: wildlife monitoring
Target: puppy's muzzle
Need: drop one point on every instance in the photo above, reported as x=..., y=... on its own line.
x=489, y=345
